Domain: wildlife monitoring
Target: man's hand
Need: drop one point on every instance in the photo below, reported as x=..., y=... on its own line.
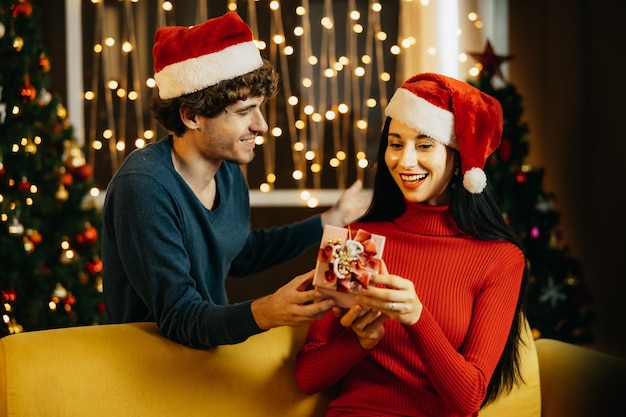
x=293, y=304
x=351, y=205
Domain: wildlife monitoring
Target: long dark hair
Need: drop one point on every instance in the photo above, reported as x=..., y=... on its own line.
x=479, y=216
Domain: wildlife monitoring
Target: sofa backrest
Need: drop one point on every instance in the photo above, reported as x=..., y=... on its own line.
x=131, y=370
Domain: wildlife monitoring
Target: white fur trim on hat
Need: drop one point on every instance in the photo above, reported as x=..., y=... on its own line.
x=195, y=74
x=421, y=115
x=475, y=180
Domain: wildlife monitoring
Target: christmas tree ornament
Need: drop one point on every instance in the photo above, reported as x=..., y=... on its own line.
x=34, y=236
x=3, y=30
x=18, y=43
x=9, y=296
x=90, y=235
x=44, y=97
x=84, y=171
x=44, y=63
x=24, y=185
x=94, y=267
x=22, y=9
x=15, y=227
x=72, y=154
x=62, y=194
x=59, y=291
x=29, y=246
x=490, y=62
x=27, y=91
x=67, y=179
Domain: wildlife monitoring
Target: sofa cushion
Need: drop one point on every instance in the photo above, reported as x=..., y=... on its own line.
x=525, y=399
x=131, y=370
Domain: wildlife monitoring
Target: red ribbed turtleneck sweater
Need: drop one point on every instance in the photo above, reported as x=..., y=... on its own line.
x=441, y=365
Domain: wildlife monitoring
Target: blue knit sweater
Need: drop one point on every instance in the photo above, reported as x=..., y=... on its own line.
x=166, y=256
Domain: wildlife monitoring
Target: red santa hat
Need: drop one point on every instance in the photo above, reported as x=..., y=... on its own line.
x=454, y=113
x=189, y=59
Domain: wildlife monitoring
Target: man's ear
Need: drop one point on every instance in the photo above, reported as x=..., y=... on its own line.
x=188, y=117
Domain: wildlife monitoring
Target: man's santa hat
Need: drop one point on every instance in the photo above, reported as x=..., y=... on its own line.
x=189, y=59
x=454, y=113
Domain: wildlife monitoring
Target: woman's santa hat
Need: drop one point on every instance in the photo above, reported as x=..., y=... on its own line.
x=189, y=59
x=454, y=113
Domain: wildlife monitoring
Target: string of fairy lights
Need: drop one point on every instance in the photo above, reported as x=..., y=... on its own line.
x=326, y=108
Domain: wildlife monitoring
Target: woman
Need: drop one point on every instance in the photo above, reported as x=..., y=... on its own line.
x=437, y=332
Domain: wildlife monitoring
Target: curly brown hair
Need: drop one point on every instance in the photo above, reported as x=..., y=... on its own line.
x=209, y=102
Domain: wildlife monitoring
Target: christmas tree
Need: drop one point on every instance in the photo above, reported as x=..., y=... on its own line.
x=559, y=303
x=50, y=270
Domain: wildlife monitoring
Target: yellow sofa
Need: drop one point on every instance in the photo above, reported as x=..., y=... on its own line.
x=131, y=370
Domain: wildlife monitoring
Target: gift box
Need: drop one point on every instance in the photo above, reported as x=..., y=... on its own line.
x=345, y=262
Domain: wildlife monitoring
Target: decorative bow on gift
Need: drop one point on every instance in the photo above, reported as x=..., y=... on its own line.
x=351, y=263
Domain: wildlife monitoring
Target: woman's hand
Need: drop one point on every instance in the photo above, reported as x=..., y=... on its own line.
x=366, y=323
x=392, y=295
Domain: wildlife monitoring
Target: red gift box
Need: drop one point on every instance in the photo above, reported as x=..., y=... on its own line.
x=345, y=262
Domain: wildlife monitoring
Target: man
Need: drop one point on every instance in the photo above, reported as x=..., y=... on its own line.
x=176, y=214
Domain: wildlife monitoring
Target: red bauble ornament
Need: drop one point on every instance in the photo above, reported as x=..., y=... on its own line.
x=67, y=179
x=44, y=63
x=24, y=185
x=84, y=171
x=35, y=237
x=9, y=295
x=88, y=236
x=27, y=92
x=22, y=9
x=94, y=267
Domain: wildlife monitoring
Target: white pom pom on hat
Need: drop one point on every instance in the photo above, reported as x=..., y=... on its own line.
x=454, y=113
x=189, y=59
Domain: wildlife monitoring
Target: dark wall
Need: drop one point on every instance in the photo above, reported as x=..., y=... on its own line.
x=569, y=68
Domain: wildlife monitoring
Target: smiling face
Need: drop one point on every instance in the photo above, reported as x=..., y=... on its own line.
x=421, y=166
x=230, y=136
